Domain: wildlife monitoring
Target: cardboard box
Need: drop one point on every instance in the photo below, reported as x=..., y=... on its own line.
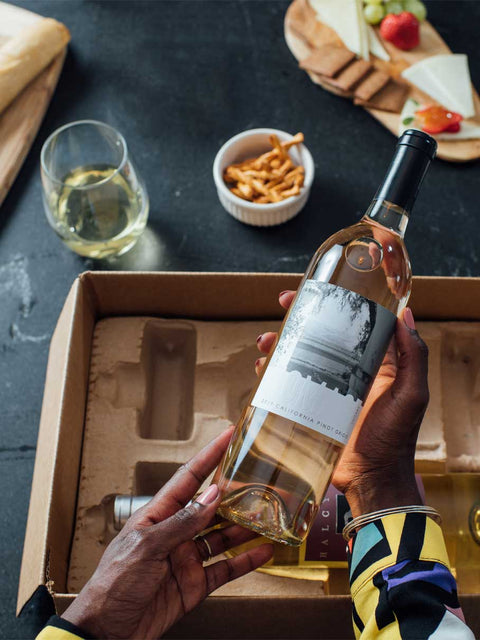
x=66, y=443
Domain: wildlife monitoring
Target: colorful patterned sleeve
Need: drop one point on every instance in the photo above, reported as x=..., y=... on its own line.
x=401, y=582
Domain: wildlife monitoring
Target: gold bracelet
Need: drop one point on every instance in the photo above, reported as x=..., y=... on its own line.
x=367, y=518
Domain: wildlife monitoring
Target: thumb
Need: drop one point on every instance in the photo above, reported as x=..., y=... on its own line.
x=411, y=381
x=189, y=521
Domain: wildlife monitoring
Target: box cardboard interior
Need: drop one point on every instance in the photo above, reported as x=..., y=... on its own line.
x=149, y=367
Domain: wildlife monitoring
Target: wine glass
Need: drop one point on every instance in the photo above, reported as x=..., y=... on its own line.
x=93, y=196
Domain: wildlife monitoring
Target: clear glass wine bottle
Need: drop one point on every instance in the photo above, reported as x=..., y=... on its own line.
x=330, y=346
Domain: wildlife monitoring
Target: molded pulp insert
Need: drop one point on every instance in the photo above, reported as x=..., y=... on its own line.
x=224, y=386
x=151, y=476
x=461, y=396
x=168, y=356
x=98, y=523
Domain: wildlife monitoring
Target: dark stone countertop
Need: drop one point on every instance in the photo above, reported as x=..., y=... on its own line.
x=179, y=78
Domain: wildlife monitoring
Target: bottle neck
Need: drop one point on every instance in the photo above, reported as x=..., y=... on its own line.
x=389, y=215
x=394, y=200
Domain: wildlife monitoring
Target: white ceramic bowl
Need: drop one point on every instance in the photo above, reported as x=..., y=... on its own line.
x=250, y=144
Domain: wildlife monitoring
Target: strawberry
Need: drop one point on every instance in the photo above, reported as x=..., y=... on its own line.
x=402, y=30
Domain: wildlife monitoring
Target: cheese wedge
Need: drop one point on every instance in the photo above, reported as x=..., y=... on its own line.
x=407, y=115
x=362, y=25
x=375, y=46
x=343, y=16
x=468, y=130
x=422, y=79
x=446, y=78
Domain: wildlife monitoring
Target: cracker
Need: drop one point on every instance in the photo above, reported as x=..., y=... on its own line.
x=302, y=20
x=328, y=60
x=351, y=75
x=326, y=83
x=372, y=84
x=390, y=98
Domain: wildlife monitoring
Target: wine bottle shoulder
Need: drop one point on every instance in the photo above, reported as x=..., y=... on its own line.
x=368, y=259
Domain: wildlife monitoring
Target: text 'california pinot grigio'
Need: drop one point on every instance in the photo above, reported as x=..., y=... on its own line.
x=330, y=347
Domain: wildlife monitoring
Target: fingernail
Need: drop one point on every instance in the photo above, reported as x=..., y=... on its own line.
x=283, y=293
x=408, y=319
x=259, y=338
x=209, y=495
x=257, y=363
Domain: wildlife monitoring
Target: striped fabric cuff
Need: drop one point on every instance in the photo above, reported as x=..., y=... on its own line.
x=392, y=540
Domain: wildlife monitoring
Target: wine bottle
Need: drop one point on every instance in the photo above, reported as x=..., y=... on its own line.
x=329, y=349
x=124, y=506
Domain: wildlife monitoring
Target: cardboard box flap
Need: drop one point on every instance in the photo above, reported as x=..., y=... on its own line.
x=253, y=295
x=190, y=294
x=56, y=451
x=439, y=298
x=268, y=618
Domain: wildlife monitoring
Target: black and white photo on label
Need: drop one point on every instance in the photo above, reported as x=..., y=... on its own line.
x=334, y=338
x=328, y=354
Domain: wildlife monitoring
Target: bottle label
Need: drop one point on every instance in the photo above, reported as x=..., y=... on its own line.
x=329, y=352
x=325, y=541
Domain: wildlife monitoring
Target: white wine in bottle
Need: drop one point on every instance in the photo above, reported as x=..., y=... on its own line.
x=330, y=347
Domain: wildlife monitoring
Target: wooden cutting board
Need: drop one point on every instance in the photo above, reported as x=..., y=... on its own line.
x=304, y=33
x=20, y=122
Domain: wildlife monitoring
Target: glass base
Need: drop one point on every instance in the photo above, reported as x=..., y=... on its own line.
x=261, y=510
x=102, y=250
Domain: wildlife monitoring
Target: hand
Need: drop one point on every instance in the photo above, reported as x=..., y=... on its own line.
x=153, y=573
x=395, y=261
x=376, y=469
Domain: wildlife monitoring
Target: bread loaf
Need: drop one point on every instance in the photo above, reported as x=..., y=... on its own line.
x=25, y=55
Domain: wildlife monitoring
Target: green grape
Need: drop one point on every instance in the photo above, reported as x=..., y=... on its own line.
x=374, y=2
x=393, y=7
x=373, y=13
x=417, y=8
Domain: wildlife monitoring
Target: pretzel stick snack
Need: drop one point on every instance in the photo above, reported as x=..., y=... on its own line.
x=272, y=177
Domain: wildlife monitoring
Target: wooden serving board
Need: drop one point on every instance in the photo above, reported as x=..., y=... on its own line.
x=304, y=33
x=21, y=120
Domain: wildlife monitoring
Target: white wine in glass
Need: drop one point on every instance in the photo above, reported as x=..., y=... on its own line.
x=93, y=196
